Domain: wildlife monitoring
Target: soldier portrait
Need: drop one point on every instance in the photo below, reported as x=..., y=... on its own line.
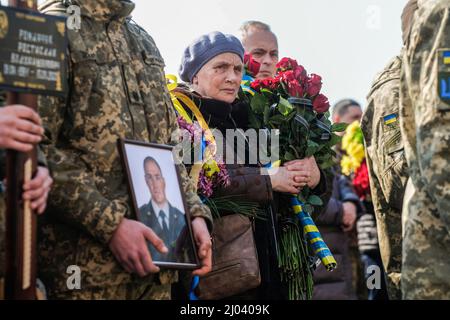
x=155, y=187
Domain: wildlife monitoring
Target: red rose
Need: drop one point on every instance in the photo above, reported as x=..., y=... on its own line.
x=295, y=89
x=275, y=83
x=314, y=85
x=361, y=181
x=300, y=74
x=251, y=65
x=321, y=104
x=287, y=64
x=256, y=85
x=259, y=84
x=287, y=76
x=292, y=85
x=267, y=83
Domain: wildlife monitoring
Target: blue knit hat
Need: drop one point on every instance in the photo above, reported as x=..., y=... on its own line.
x=203, y=49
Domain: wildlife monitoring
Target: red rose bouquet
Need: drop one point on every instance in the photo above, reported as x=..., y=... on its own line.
x=292, y=103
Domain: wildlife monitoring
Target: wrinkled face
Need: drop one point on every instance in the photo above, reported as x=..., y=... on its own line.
x=155, y=182
x=220, y=78
x=264, y=48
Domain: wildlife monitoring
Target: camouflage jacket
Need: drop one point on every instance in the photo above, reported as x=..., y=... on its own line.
x=117, y=90
x=387, y=167
x=425, y=125
x=425, y=104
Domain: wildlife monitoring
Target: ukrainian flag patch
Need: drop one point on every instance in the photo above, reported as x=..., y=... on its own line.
x=389, y=119
x=443, y=79
x=446, y=57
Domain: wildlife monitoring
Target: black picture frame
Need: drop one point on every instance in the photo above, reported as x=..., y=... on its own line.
x=185, y=252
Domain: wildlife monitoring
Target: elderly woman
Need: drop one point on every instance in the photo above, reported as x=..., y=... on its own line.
x=212, y=67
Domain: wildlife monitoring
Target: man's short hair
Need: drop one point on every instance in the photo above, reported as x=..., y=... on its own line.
x=342, y=106
x=252, y=24
x=151, y=159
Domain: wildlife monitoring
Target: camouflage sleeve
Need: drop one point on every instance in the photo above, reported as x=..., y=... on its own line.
x=197, y=208
x=74, y=198
x=427, y=76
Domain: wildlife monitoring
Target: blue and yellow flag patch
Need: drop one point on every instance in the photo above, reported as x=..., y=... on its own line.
x=444, y=79
x=391, y=118
x=446, y=57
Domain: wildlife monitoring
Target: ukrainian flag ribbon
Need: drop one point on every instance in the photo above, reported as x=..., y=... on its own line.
x=246, y=79
x=313, y=235
x=207, y=154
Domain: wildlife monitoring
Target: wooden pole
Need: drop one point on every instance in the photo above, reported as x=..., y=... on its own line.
x=21, y=221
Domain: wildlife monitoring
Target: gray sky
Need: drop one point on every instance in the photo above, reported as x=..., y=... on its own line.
x=346, y=42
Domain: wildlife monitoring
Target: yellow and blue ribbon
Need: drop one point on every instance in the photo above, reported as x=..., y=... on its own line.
x=311, y=231
x=246, y=79
x=313, y=235
x=207, y=138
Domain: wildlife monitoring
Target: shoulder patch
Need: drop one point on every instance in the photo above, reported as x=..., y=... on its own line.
x=444, y=79
x=389, y=119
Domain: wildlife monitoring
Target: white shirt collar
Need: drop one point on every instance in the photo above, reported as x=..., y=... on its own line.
x=165, y=208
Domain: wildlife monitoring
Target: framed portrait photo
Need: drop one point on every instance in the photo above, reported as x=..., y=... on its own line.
x=158, y=200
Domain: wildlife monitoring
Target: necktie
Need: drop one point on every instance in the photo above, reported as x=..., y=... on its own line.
x=162, y=215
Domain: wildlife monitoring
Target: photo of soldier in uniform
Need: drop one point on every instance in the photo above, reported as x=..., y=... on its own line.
x=159, y=202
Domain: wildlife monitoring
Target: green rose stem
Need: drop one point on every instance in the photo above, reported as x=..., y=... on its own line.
x=293, y=262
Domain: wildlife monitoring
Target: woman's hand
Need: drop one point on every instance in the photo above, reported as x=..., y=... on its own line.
x=286, y=181
x=307, y=171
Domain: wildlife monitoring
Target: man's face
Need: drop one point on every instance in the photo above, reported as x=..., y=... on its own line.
x=264, y=48
x=155, y=182
x=353, y=113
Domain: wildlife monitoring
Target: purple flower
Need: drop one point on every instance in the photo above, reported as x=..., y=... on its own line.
x=205, y=185
x=223, y=178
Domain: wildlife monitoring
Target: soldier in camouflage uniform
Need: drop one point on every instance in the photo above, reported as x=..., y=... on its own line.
x=386, y=159
x=19, y=130
x=425, y=126
x=387, y=168
x=117, y=90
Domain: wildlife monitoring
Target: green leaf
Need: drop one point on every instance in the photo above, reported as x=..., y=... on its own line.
x=254, y=122
x=327, y=164
x=301, y=197
x=313, y=147
x=315, y=200
x=258, y=103
x=289, y=156
x=308, y=208
x=277, y=120
x=284, y=106
x=335, y=139
x=312, y=143
x=339, y=127
x=266, y=114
